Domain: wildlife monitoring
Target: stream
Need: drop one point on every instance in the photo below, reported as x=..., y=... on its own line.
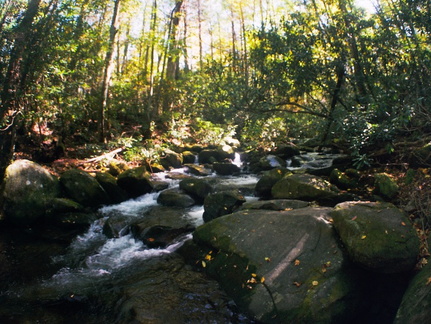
x=97, y=279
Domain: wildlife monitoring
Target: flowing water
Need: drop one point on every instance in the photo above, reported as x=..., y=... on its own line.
x=97, y=279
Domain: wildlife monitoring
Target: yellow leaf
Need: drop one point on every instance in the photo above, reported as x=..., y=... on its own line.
x=208, y=257
x=363, y=237
x=268, y=259
x=262, y=280
x=254, y=275
x=315, y=283
x=297, y=262
x=204, y=264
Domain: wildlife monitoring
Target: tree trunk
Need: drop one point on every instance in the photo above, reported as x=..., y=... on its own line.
x=109, y=65
x=14, y=84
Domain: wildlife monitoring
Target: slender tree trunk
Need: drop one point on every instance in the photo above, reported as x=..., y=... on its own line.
x=13, y=86
x=201, y=59
x=109, y=65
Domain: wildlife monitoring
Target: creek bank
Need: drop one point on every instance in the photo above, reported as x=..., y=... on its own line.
x=259, y=246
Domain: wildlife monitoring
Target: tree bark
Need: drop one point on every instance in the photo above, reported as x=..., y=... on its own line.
x=13, y=85
x=109, y=65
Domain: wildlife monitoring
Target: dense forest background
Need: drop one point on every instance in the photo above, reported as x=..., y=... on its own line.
x=123, y=73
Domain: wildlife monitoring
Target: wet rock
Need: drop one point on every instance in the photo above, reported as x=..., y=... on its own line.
x=63, y=205
x=385, y=186
x=416, y=303
x=269, y=162
x=287, y=151
x=171, y=159
x=198, y=170
x=304, y=187
x=197, y=188
x=28, y=192
x=226, y=168
x=175, y=197
x=377, y=236
x=136, y=182
x=109, y=184
x=221, y=203
x=83, y=188
x=268, y=180
x=159, y=236
x=189, y=157
x=214, y=155
x=280, y=266
x=116, y=226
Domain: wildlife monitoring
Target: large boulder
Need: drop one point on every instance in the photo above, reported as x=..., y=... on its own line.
x=268, y=180
x=226, y=168
x=279, y=266
x=175, y=198
x=28, y=191
x=198, y=170
x=214, y=155
x=276, y=204
x=385, y=186
x=136, y=182
x=171, y=159
x=304, y=187
x=222, y=203
x=197, y=188
x=416, y=303
x=377, y=236
x=287, y=151
x=109, y=184
x=83, y=188
x=270, y=161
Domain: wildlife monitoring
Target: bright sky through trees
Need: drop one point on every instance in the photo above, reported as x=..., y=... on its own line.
x=368, y=5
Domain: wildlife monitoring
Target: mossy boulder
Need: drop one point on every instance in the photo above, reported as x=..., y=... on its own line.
x=385, y=186
x=214, y=155
x=136, y=182
x=198, y=170
x=189, y=157
x=171, y=159
x=377, y=236
x=175, y=198
x=270, y=161
x=287, y=151
x=83, y=188
x=109, y=184
x=280, y=266
x=275, y=204
x=28, y=191
x=197, y=188
x=416, y=303
x=268, y=180
x=343, y=180
x=226, y=168
x=222, y=203
x=304, y=187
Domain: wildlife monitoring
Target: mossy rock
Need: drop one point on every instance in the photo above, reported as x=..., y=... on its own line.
x=416, y=304
x=28, y=190
x=280, y=266
x=342, y=180
x=377, y=236
x=304, y=187
x=268, y=180
x=197, y=188
x=385, y=186
x=175, y=198
x=109, y=184
x=136, y=182
x=83, y=188
x=222, y=203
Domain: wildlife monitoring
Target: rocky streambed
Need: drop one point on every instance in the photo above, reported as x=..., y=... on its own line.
x=206, y=244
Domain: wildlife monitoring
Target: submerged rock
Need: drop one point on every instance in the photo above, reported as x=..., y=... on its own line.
x=377, y=236
x=29, y=190
x=279, y=266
